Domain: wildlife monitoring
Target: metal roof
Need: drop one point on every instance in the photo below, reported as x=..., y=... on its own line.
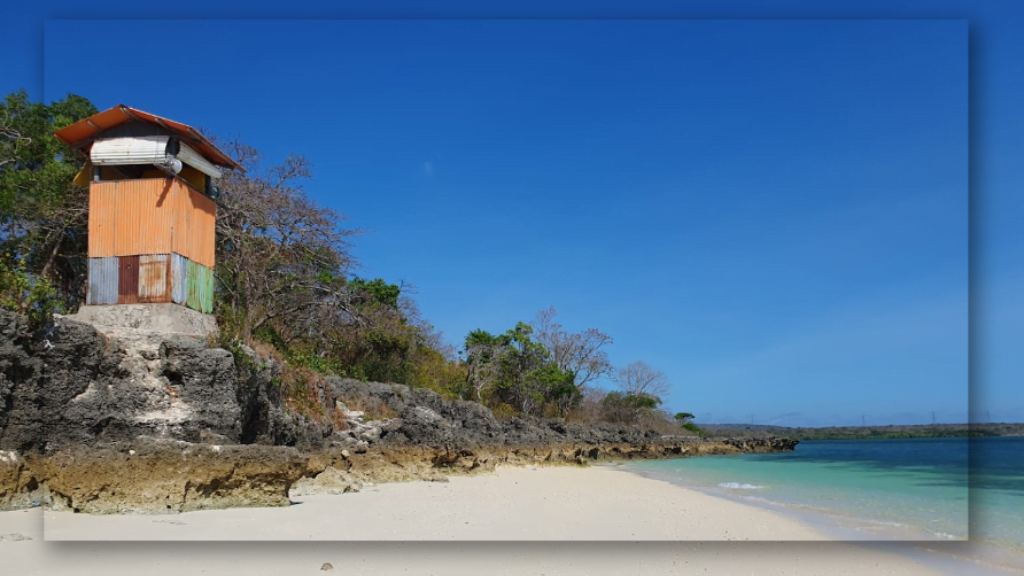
x=83, y=132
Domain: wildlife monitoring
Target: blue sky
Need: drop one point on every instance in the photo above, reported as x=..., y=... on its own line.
x=773, y=213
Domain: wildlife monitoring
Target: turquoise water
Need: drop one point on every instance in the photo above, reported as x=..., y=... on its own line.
x=923, y=490
x=997, y=492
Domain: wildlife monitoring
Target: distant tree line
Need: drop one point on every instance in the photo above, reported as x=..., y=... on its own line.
x=287, y=284
x=895, y=431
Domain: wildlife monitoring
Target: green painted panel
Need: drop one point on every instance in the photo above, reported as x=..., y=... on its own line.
x=199, y=287
x=193, y=295
x=207, y=296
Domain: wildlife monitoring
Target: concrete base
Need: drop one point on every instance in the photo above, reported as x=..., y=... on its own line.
x=149, y=318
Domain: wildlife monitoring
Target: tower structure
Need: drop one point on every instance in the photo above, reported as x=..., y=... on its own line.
x=152, y=208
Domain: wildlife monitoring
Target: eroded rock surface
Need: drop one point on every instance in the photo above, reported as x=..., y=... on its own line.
x=154, y=475
x=73, y=386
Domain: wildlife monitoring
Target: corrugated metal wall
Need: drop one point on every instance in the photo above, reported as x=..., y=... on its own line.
x=207, y=299
x=205, y=225
x=151, y=240
x=154, y=278
x=182, y=218
x=103, y=281
x=102, y=208
x=198, y=216
x=151, y=216
x=145, y=216
x=127, y=214
x=194, y=295
x=128, y=280
x=156, y=213
x=150, y=278
x=200, y=287
x=179, y=279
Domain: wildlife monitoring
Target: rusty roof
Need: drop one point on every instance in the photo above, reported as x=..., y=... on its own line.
x=83, y=132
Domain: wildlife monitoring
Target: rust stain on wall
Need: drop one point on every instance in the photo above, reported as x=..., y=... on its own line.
x=128, y=280
x=154, y=282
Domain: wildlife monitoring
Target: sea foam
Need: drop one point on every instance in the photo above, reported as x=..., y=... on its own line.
x=739, y=486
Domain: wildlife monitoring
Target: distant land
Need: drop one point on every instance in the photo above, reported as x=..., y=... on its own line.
x=869, y=432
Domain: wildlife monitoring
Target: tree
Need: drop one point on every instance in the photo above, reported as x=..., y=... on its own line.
x=513, y=369
x=579, y=353
x=590, y=407
x=684, y=419
x=642, y=390
x=43, y=214
x=376, y=292
x=559, y=388
x=281, y=259
x=628, y=408
x=638, y=379
x=516, y=362
x=535, y=380
x=486, y=361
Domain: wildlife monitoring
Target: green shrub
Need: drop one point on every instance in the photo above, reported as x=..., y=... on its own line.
x=28, y=294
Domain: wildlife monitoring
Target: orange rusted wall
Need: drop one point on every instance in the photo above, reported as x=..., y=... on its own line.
x=145, y=216
x=195, y=216
x=127, y=213
x=151, y=216
x=202, y=232
x=182, y=224
x=102, y=208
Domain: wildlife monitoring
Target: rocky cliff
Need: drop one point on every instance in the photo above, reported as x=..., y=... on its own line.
x=144, y=422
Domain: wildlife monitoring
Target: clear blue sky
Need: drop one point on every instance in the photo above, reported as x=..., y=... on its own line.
x=773, y=213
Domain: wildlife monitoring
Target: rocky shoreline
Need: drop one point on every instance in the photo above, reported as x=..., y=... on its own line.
x=136, y=422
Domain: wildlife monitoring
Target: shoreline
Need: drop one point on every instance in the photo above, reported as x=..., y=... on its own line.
x=953, y=556
x=836, y=525
x=517, y=506
x=512, y=503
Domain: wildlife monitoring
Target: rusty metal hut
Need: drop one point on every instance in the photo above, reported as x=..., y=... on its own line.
x=152, y=208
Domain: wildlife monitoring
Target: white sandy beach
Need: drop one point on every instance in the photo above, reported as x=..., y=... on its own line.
x=532, y=503
x=524, y=504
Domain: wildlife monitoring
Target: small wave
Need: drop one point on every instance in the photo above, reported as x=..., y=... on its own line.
x=739, y=486
x=884, y=523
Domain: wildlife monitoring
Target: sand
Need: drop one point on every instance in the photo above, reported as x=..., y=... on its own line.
x=599, y=513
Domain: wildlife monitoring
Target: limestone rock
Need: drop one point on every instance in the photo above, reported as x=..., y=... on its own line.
x=163, y=476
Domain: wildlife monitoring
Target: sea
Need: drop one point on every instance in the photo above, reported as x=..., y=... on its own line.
x=952, y=496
